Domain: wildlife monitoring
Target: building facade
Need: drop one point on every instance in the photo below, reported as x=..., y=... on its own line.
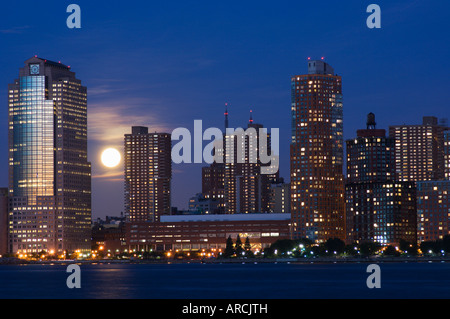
x=433, y=210
x=203, y=205
x=280, y=197
x=378, y=208
x=246, y=189
x=382, y=212
x=196, y=232
x=213, y=185
x=148, y=175
x=49, y=175
x=447, y=155
x=370, y=156
x=419, y=150
x=3, y=221
x=316, y=153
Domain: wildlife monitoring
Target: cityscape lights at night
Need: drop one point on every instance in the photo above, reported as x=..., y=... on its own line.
x=328, y=176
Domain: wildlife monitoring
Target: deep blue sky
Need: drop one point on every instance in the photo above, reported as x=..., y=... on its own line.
x=165, y=63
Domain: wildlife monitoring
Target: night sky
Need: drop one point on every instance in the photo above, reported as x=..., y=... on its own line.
x=164, y=64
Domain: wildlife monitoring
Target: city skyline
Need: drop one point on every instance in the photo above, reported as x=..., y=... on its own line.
x=217, y=158
x=243, y=59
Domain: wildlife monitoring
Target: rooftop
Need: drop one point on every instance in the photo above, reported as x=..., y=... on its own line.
x=225, y=217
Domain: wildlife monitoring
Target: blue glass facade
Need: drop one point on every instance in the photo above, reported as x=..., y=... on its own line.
x=32, y=155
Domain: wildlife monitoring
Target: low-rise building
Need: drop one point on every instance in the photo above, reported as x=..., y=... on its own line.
x=196, y=232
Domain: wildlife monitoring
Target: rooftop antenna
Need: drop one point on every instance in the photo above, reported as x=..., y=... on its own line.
x=226, y=116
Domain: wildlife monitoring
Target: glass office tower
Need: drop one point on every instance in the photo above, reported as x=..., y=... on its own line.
x=49, y=175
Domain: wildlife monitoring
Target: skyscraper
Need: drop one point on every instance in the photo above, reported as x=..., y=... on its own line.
x=213, y=185
x=213, y=176
x=246, y=190
x=378, y=208
x=317, y=187
x=49, y=174
x=148, y=175
x=370, y=156
x=447, y=154
x=419, y=150
x=3, y=221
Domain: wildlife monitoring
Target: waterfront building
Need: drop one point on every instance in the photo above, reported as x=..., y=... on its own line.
x=245, y=188
x=419, y=150
x=3, y=221
x=447, y=154
x=196, y=232
x=316, y=154
x=49, y=172
x=148, y=174
x=378, y=207
x=433, y=210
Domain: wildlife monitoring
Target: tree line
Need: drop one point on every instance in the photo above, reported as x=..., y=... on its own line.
x=336, y=247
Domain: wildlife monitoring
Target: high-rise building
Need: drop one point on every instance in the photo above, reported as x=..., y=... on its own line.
x=246, y=189
x=447, y=155
x=433, y=210
x=280, y=197
x=378, y=208
x=370, y=156
x=148, y=174
x=317, y=186
x=213, y=176
x=49, y=173
x=3, y=220
x=213, y=185
x=419, y=150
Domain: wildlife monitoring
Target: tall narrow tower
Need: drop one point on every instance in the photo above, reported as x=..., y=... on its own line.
x=148, y=175
x=246, y=189
x=317, y=187
x=213, y=178
x=49, y=174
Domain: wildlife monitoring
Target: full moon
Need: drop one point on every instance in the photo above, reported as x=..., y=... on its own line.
x=110, y=157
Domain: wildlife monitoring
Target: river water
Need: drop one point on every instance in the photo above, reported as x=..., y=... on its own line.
x=223, y=281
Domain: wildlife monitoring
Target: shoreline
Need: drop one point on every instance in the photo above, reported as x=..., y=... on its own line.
x=317, y=260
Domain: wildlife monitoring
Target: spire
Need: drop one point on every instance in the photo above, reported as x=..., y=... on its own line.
x=226, y=116
x=251, y=118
